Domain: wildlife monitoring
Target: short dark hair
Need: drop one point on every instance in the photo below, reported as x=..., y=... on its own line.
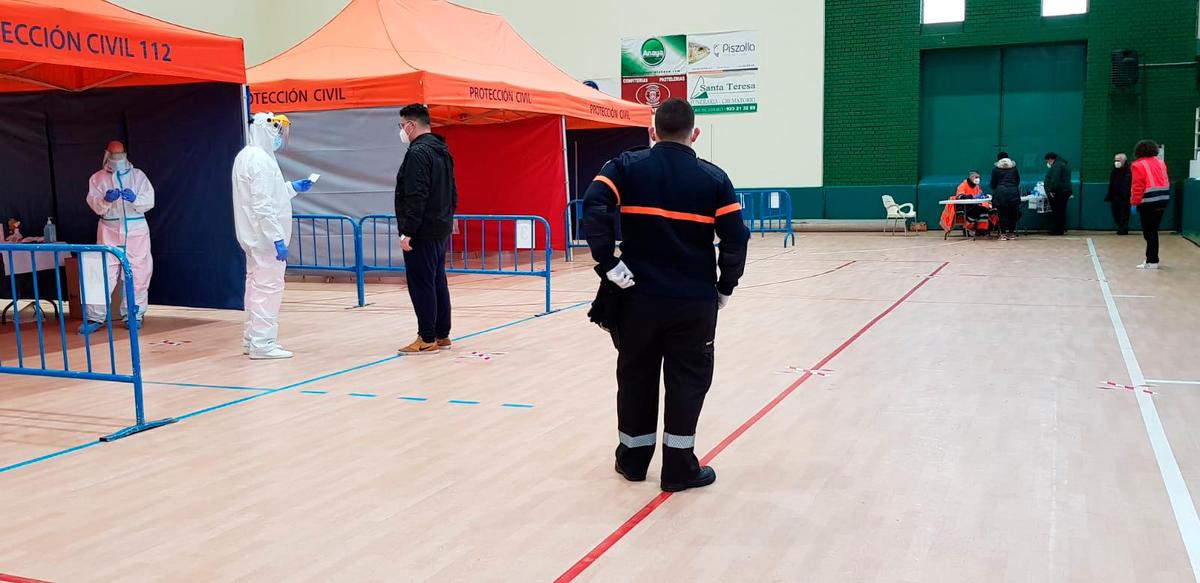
x=416, y=112
x=674, y=119
x=1051, y=156
x=1145, y=149
x=1001, y=156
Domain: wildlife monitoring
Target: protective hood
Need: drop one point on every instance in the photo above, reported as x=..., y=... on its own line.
x=1006, y=163
x=262, y=133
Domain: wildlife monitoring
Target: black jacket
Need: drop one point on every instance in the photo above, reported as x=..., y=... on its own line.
x=1006, y=183
x=1058, y=178
x=670, y=205
x=426, y=195
x=1120, y=182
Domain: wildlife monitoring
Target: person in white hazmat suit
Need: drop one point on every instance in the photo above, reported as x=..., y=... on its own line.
x=262, y=213
x=121, y=195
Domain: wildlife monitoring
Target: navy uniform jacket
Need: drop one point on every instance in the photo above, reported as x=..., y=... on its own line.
x=670, y=205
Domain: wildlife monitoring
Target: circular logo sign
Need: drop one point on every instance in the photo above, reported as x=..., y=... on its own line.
x=653, y=94
x=653, y=52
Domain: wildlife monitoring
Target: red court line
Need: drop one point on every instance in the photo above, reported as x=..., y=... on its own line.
x=612, y=539
x=16, y=579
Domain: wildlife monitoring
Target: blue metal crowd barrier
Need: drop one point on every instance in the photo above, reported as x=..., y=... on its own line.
x=768, y=211
x=573, y=220
x=470, y=249
x=313, y=247
x=35, y=260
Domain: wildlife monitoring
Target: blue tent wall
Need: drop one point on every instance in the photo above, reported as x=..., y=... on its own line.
x=184, y=137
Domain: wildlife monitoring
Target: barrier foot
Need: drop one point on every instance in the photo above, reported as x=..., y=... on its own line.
x=358, y=307
x=132, y=429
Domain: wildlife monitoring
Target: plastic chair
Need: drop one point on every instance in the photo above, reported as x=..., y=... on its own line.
x=897, y=212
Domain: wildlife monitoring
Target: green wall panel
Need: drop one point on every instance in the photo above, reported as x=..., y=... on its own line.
x=1191, y=210
x=863, y=202
x=960, y=111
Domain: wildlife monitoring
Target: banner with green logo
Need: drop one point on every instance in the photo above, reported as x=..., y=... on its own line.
x=721, y=70
x=654, y=56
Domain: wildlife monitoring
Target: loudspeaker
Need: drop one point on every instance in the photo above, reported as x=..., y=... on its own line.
x=1125, y=68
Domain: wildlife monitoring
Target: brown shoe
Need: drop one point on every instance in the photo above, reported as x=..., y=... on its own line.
x=444, y=343
x=420, y=347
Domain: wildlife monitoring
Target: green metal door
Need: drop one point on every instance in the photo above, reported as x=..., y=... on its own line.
x=960, y=113
x=1042, y=106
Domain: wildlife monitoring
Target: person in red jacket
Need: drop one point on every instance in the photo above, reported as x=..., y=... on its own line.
x=1150, y=194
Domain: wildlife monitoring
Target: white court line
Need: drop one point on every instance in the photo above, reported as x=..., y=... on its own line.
x=1177, y=490
x=1162, y=382
x=1125, y=296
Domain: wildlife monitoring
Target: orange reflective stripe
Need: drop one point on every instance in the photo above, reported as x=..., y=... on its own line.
x=729, y=208
x=610, y=184
x=666, y=214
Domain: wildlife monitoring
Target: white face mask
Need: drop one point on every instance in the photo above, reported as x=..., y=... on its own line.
x=404, y=139
x=1117, y=164
x=1049, y=164
x=975, y=180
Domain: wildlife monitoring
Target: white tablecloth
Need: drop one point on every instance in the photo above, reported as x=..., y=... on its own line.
x=22, y=261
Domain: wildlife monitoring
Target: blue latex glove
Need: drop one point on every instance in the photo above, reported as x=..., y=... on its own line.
x=128, y=195
x=302, y=185
x=112, y=195
x=281, y=250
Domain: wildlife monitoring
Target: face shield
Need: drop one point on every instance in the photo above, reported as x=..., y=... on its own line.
x=279, y=126
x=115, y=158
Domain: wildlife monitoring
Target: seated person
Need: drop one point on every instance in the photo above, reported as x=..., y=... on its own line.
x=977, y=217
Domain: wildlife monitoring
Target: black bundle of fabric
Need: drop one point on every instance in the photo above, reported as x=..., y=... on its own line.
x=606, y=305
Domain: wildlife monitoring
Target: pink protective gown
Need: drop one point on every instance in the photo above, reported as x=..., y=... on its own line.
x=122, y=225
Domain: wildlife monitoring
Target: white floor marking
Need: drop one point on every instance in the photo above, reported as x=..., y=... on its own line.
x=1177, y=489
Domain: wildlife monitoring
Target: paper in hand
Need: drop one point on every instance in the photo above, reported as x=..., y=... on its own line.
x=314, y=177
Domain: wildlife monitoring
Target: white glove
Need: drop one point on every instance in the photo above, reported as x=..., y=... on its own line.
x=621, y=276
x=722, y=300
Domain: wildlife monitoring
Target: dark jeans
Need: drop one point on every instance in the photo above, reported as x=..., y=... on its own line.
x=1058, y=212
x=1009, y=215
x=1120, y=213
x=1152, y=216
x=673, y=338
x=425, y=271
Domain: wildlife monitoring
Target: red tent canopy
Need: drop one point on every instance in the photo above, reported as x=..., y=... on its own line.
x=76, y=45
x=470, y=67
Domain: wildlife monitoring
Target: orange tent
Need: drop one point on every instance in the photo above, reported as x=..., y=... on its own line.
x=76, y=45
x=470, y=67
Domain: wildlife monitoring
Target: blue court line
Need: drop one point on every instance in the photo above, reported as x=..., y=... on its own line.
x=417, y=399
x=314, y=392
x=517, y=406
x=261, y=394
x=199, y=386
x=364, y=395
x=461, y=402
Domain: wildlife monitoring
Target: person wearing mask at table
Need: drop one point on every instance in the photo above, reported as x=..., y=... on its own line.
x=1149, y=194
x=1058, y=189
x=1006, y=194
x=121, y=195
x=1120, y=181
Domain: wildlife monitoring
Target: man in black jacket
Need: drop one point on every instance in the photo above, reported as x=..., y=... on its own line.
x=426, y=197
x=1058, y=189
x=670, y=206
x=1120, y=181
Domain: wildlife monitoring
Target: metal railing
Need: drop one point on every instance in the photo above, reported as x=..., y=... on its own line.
x=768, y=211
x=99, y=265
x=470, y=248
x=573, y=222
x=327, y=243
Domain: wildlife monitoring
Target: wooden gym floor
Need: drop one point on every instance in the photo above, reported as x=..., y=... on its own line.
x=954, y=430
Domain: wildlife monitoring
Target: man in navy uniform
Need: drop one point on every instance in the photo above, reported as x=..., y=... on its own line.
x=670, y=206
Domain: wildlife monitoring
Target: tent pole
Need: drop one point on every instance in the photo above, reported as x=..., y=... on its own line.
x=566, y=184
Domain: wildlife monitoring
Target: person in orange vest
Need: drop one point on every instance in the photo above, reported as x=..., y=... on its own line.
x=969, y=188
x=1149, y=194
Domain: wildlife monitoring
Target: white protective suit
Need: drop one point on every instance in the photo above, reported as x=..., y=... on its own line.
x=122, y=225
x=262, y=214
